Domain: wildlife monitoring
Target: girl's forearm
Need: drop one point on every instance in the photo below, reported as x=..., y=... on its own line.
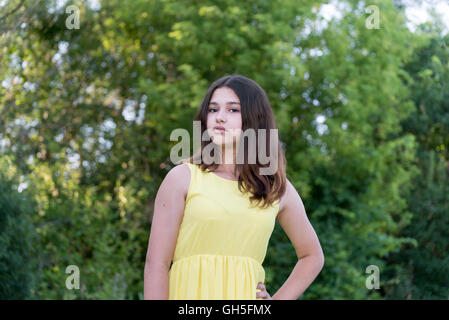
x=305, y=271
x=155, y=285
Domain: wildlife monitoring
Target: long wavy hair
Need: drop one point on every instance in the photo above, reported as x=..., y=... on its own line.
x=256, y=114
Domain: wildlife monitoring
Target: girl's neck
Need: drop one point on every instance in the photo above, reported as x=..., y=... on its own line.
x=228, y=161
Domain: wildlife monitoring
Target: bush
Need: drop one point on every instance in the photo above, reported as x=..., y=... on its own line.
x=16, y=237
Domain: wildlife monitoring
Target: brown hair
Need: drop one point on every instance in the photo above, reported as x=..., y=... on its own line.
x=256, y=114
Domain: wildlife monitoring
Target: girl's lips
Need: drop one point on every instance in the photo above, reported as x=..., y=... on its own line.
x=219, y=130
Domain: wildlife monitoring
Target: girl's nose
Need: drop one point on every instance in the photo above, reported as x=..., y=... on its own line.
x=221, y=116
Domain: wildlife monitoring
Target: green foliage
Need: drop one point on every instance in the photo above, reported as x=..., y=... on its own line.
x=16, y=237
x=353, y=178
x=423, y=270
x=81, y=227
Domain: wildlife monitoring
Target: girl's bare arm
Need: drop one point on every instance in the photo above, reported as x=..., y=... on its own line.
x=167, y=217
x=294, y=221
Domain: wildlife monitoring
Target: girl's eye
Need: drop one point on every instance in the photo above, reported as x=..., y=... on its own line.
x=210, y=109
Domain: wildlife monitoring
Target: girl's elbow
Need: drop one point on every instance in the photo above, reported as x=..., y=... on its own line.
x=320, y=259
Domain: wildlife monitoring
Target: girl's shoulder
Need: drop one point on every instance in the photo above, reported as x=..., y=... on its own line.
x=180, y=176
x=289, y=192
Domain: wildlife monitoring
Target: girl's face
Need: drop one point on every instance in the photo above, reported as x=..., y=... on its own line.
x=224, y=110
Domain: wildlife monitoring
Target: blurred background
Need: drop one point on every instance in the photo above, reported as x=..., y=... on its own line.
x=91, y=90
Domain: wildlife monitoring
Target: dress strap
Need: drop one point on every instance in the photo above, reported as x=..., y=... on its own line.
x=195, y=177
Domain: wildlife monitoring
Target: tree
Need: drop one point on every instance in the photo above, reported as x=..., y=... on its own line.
x=423, y=269
x=16, y=237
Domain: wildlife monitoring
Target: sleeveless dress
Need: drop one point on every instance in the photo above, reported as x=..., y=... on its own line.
x=222, y=241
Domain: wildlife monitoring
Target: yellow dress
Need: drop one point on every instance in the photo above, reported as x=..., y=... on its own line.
x=222, y=242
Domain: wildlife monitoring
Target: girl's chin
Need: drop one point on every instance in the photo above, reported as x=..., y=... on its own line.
x=221, y=141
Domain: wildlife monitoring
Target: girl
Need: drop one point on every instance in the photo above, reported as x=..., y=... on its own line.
x=213, y=219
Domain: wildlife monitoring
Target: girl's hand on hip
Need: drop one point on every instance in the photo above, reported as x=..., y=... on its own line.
x=263, y=294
